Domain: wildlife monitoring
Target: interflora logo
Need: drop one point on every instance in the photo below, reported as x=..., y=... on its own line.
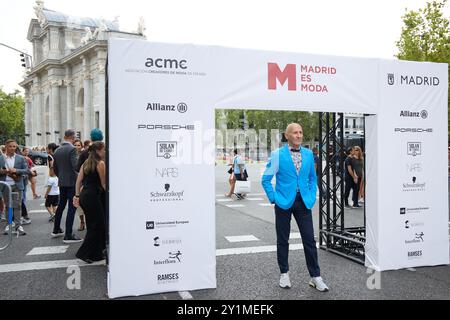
x=304, y=82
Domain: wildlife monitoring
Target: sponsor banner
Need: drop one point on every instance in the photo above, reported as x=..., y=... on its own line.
x=162, y=99
x=408, y=224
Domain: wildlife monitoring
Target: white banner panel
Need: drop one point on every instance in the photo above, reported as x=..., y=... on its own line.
x=408, y=224
x=161, y=152
x=161, y=162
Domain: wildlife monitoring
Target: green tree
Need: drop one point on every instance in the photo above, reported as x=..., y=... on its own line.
x=425, y=36
x=12, y=114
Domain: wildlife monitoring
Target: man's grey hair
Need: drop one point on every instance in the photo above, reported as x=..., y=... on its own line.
x=69, y=133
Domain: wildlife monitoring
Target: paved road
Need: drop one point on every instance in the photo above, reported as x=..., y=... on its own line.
x=242, y=273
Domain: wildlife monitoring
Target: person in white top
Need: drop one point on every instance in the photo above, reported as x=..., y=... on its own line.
x=52, y=194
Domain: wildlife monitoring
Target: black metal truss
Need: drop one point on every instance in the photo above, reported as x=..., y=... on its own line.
x=333, y=235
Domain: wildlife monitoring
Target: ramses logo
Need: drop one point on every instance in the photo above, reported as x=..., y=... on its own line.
x=306, y=77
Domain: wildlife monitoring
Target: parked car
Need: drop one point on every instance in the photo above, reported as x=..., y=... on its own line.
x=39, y=158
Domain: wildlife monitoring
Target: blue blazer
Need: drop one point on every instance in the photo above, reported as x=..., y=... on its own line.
x=287, y=180
x=22, y=169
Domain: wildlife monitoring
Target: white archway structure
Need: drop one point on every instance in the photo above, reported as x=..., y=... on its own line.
x=162, y=98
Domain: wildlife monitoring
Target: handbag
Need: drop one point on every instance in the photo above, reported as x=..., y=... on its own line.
x=230, y=171
x=242, y=186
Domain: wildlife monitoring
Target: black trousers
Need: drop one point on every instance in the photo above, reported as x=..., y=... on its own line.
x=66, y=196
x=349, y=185
x=303, y=217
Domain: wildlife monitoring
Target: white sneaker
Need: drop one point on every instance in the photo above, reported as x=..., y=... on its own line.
x=318, y=283
x=20, y=231
x=24, y=221
x=284, y=280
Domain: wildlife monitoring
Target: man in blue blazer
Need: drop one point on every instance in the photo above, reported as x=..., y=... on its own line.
x=295, y=193
x=13, y=171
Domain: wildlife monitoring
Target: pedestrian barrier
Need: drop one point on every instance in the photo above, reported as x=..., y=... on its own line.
x=9, y=212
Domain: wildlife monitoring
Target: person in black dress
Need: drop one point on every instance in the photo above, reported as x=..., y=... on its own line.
x=91, y=181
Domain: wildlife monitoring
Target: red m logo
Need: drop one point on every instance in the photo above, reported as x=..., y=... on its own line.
x=274, y=74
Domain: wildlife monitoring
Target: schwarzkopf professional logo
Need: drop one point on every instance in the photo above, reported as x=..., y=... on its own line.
x=150, y=225
x=167, y=195
x=166, y=149
x=414, y=148
x=166, y=172
x=189, y=127
x=414, y=186
x=413, y=130
x=390, y=79
x=155, y=106
x=410, y=114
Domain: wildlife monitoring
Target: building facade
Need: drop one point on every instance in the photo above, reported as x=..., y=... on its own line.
x=65, y=87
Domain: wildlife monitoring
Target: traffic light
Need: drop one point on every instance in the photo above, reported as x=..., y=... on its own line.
x=25, y=60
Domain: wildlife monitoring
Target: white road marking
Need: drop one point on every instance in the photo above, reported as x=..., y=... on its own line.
x=224, y=200
x=38, y=211
x=295, y=235
x=255, y=199
x=235, y=205
x=42, y=204
x=220, y=195
x=256, y=194
x=246, y=250
x=58, y=264
x=266, y=204
x=242, y=238
x=44, y=265
x=185, y=295
x=47, y=250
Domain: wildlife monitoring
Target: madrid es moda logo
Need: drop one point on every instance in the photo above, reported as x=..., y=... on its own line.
x=301, y=77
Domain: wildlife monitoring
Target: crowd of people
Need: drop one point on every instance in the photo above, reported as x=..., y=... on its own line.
x=76, y=178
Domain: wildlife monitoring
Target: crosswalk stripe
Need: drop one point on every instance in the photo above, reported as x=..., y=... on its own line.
x=255, y=199
x=295, y=235
x=185, y=295
x=47, y=250
x=249, y=237
x=235, y=205
x=224, y=200
x=260, y=249
x=38, y=211
x=266, y=204
x=43, y=265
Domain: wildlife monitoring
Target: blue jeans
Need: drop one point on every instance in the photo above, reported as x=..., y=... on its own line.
x=65, y=194
x=303, y=217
